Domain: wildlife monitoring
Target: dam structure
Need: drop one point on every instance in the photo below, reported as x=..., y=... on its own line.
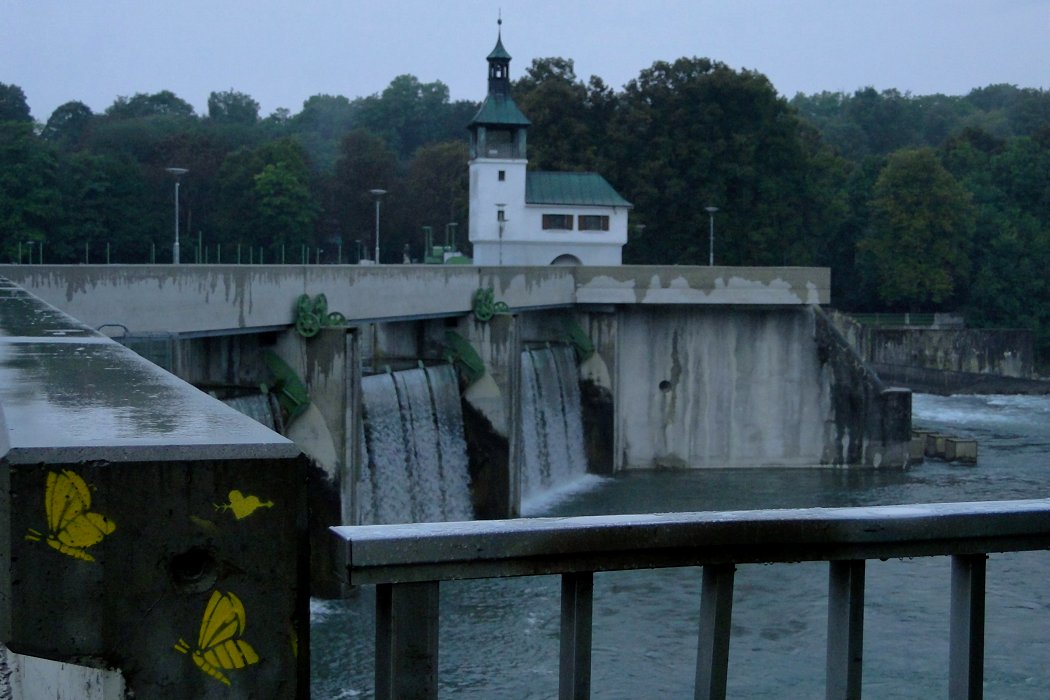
x=679, y=367
x=403, y=393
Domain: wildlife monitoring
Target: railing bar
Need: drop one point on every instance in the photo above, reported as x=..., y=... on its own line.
x=577, y=594
x=716, y=612
x=966, y=630
x=845, y=654
x=384, y=670
x=407, y=641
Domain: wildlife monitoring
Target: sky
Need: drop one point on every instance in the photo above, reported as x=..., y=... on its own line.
x=281, y=52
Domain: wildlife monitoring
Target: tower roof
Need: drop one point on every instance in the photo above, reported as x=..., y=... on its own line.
x=499, y=52
x=499, y=108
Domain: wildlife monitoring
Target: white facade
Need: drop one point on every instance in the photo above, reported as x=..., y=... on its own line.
x=533, y=218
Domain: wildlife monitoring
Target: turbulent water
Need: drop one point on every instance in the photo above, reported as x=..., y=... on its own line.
x=416, y=466
x=551, y=423
x=499, y=638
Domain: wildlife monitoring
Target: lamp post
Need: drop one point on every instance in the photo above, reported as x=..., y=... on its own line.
x=501, y=217
x=711, y=238
x=178, y=173
x=377, y=194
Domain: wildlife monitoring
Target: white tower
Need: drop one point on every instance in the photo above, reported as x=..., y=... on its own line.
x=497, y=165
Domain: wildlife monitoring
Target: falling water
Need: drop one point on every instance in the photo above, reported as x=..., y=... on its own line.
x=257, y=406
x=551, y=423
x=416, y=457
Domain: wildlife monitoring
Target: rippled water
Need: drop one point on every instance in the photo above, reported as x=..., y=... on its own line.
x=499, y=638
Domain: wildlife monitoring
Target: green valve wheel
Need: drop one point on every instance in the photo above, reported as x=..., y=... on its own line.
x=335, y=319
x=304, y=304
x=308, y=325
x=320, y=305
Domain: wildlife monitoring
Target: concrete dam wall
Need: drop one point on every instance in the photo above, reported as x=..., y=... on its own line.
x=720, y=388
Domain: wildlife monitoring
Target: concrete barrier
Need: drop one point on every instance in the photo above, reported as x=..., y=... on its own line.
x=145, y=526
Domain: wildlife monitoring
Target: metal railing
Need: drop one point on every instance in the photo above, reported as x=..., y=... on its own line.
x=407, y=563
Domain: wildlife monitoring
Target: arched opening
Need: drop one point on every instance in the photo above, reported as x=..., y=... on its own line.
x=566, y=259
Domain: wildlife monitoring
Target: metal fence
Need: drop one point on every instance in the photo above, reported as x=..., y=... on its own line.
x=407, y=563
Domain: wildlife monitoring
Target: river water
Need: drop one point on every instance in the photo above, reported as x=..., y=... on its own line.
x=499, y=638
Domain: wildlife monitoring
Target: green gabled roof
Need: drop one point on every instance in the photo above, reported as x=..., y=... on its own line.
x=499, y=110
x=586, y=189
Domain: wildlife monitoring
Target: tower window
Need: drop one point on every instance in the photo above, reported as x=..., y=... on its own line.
x=501, y=216
x=557, y=222
x=502, y=175
x=593, y=222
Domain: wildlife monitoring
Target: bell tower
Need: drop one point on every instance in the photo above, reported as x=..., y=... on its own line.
x=497, y=164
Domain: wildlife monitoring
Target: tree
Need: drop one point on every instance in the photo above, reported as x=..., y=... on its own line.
x=163, y=103
x=563, y=135
x=697, y=133
x=240, y=215
x=29, y=195
x=436, y=192
x=232, y=107
x=67, y=124
x=407, y=114
x=287, y=208
x=923, y=223
x=13, y=105
x=365, y=163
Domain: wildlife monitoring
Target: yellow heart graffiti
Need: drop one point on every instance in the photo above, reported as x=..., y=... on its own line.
x=243, y=506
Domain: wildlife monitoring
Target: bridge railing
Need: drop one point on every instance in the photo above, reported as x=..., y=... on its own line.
x=408, y=562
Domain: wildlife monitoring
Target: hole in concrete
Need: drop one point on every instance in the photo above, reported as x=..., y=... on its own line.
x=194, y=570
x=665, y=386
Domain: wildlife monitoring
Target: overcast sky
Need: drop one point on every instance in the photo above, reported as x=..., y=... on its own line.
x=283, y=51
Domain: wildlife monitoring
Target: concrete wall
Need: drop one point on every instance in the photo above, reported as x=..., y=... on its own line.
x=719, y=388
x=129, y=501
x=225, y=299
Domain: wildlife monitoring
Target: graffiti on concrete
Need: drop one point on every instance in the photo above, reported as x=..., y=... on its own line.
x=242, y=506
x=72, y=526
x=219, y=646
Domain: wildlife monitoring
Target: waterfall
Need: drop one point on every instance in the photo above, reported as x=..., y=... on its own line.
x=415, y=467
x=551, y=422
x=261, y=407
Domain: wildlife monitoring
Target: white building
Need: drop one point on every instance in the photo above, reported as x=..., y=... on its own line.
x=521, y=217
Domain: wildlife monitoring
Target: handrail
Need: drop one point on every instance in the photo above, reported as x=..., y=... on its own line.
x=408, y=561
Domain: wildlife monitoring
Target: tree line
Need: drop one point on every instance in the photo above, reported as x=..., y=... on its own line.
x=915, y=202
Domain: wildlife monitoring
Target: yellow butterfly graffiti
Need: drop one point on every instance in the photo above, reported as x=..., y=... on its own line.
x=72, y=527
x=219, y=644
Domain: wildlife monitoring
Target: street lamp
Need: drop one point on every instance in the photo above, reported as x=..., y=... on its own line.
x=711, y=238
x=501, y=217
x=177, y=172
x=377, y=194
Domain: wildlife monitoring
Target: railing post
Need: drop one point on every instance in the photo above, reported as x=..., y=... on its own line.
x=716, y=612
x=407, y=641
x=966, y=631
x=845, y=630
x=574, y=673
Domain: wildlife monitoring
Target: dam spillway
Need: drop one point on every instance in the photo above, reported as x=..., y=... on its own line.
x=415, y=462
x=689, y=367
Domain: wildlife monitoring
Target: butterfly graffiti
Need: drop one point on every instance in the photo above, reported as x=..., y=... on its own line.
x=219, y=646
x=72, y=526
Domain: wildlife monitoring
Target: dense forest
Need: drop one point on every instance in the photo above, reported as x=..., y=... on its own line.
x=916, y=202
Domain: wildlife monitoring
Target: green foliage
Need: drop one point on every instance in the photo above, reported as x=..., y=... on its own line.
x=13, y=105
x=29, y=194
x=232, y=107
x=163, y=103
x=923, y=224
x=68, y=124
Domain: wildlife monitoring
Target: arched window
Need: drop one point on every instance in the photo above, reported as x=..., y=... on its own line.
x=566, y=259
